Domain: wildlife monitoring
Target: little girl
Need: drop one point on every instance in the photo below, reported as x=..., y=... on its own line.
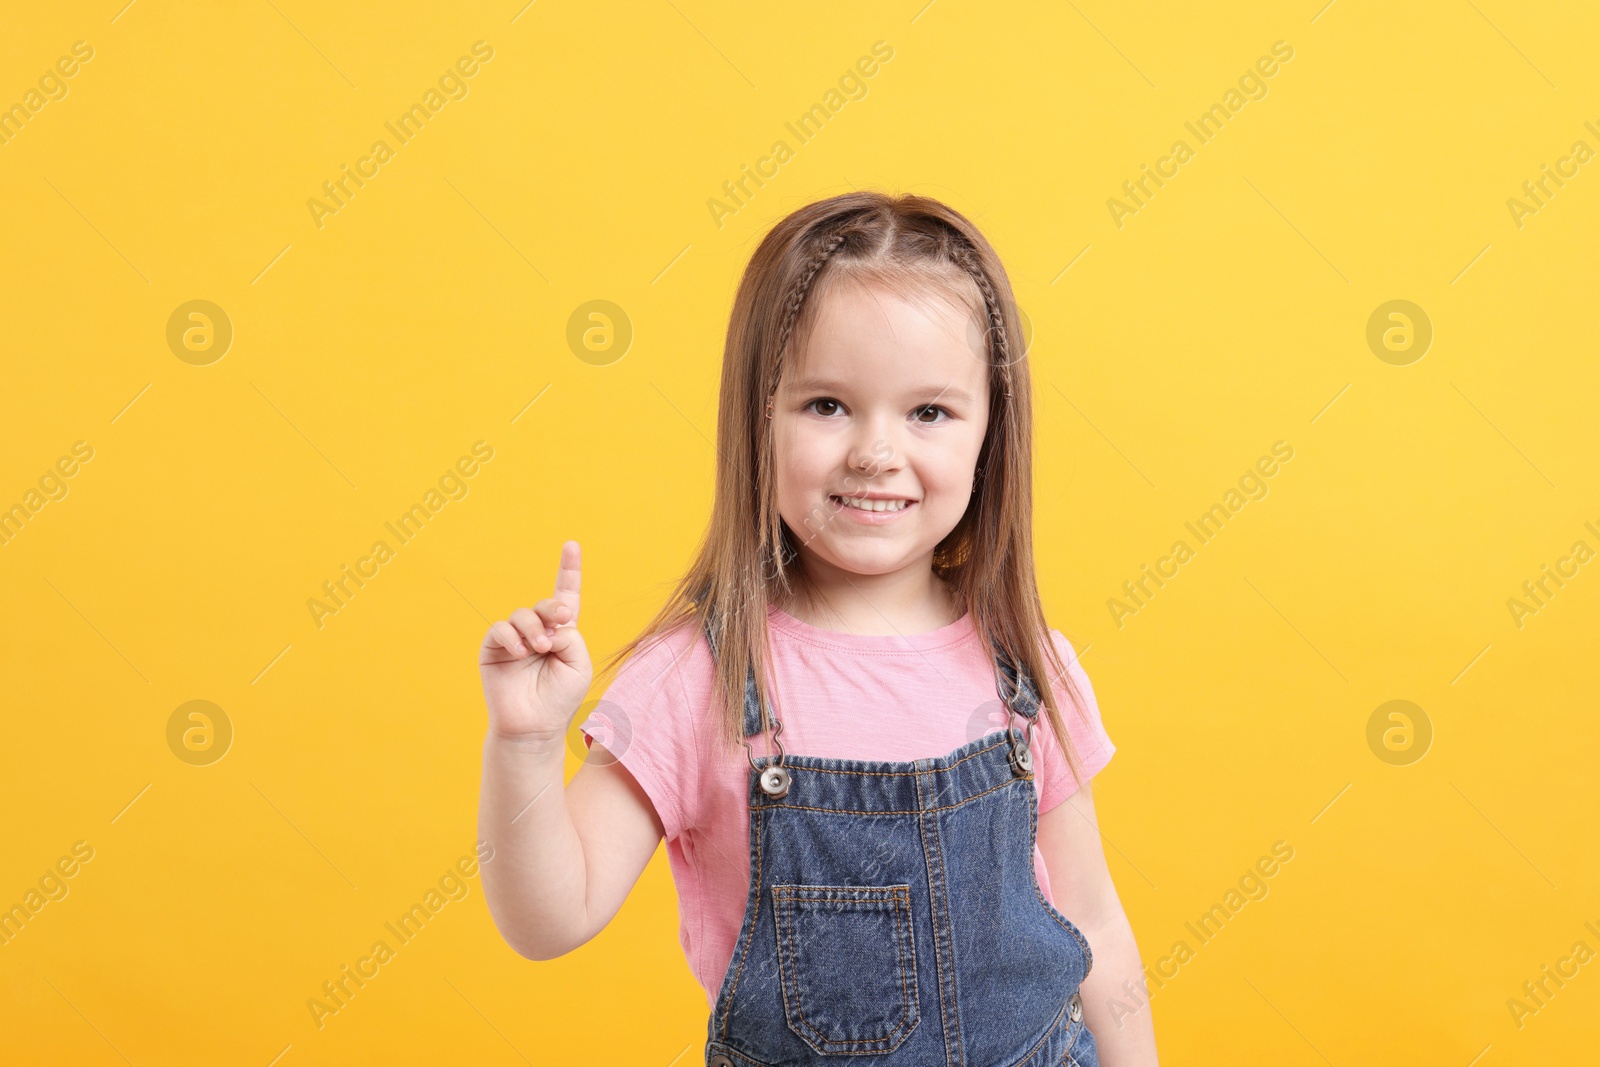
x=835, y=721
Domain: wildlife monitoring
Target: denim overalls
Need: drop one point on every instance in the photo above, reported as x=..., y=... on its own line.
x=894, y=917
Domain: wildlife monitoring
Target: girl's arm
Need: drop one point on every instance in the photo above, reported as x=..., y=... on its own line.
x=564, y=859
x=1116, y=1004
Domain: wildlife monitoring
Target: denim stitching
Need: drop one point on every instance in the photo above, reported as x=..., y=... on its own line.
x=755, y=888
x=908, y=947
x=1050, y=910
x=1071, y=1034
x=899, y=901
x=949, y=1024
x=1047, y=1032
x=778, y=917
x=1067, y=1058
x=735, y=1054
x=899, y=811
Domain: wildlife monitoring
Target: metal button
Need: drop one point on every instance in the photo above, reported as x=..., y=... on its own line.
x=719, y=1060
x=1021, y=758
x=775, y=782
x=1074, y=1008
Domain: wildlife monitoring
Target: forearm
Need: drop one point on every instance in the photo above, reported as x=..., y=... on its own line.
x=536, y=887
x=1116, y=1004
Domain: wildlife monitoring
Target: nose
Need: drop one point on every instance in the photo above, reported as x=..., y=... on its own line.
x=873, y=450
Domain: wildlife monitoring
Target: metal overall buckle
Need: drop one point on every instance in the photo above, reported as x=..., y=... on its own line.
x=1020, y=750
x=775, y=776
x=1020, y=754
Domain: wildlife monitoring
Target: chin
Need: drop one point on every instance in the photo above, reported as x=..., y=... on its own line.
x=870, y=563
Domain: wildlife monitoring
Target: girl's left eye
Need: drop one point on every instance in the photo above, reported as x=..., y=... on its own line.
x=927, y=408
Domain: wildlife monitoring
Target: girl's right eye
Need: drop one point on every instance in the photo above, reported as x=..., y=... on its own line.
x=821, y=400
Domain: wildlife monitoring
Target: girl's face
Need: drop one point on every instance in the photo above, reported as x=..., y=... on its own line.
x=886, y=409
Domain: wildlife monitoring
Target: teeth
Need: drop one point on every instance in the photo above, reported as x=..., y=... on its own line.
x=864, y=504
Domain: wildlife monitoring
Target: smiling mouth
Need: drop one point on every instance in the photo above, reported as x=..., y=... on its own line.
x=866, y=504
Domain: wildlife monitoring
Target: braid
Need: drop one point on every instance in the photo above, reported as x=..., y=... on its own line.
x=792, y=311
x=968, y=261
x=776, y=551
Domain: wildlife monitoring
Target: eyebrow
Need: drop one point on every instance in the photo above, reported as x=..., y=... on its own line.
x=826, y=385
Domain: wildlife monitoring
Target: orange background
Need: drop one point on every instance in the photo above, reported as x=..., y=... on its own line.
x=373, y=347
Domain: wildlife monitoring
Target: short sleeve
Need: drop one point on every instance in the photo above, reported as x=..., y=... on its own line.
x=1090, y=743
x=647, y=718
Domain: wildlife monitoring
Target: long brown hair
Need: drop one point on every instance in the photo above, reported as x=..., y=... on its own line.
x=906, y=242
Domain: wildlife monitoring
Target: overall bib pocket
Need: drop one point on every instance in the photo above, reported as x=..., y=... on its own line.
x=846, y=965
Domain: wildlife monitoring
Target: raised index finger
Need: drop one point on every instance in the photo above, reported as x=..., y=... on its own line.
x=567, y=576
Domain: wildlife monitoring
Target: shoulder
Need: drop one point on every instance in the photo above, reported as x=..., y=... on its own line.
x=1069, y=659
x=1091, y=746
x=652, y=718
x=680, y=654
x=664, y=685
x=1080, y=683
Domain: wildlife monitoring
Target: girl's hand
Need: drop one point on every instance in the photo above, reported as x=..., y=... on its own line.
x=536, y=668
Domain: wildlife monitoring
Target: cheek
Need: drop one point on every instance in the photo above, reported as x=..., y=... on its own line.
x=947, y=468
x=803, y=471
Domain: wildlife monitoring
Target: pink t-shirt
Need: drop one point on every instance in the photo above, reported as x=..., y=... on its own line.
x=843, y=696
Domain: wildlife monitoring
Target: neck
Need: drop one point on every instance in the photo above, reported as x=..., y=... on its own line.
x=911, y=600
